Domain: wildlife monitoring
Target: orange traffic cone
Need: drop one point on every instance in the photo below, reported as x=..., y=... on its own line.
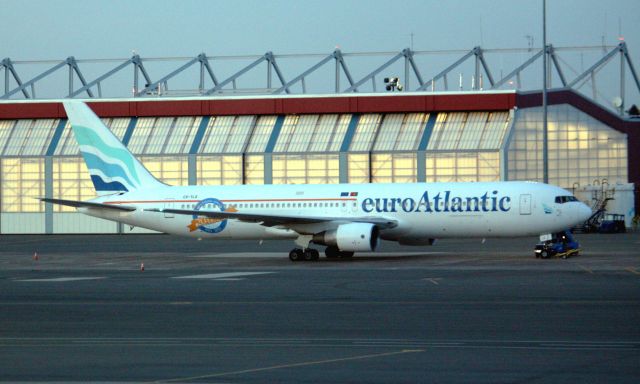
x=141, y=267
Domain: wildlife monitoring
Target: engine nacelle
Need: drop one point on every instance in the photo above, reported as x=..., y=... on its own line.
x=352, y=237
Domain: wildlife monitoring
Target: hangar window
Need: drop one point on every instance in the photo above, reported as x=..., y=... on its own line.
x=462, y=166
x=22, y=184
x=227, y=134
x=150, y=135
x=164, y=135
x=261, y=134
x=448, y=131
x=495, y=130
x=181, y=135
x=471, y=134
x=253, y=169
x=365, y=132
x=358, y=167
x=170, y=170
x=330, y=133
x=305, y=169
x=393, y=168
x=469, y=131
x=71, y=181
x=312, y=133
x=401, y=131
x=30, y=137
x=5, y=130
x=219, y=169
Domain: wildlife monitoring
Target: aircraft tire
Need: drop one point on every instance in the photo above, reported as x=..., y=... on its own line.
x=310, y=254
x=295, y=254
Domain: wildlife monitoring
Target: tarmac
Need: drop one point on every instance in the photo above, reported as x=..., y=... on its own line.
x=460, y=311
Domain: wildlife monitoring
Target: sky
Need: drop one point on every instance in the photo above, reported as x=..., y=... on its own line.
x=92, y=29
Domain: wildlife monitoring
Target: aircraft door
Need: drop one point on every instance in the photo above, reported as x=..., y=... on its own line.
x=168, y=204
x=525, y=204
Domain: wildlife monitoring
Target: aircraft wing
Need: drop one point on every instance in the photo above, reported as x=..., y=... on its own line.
x=89, y=204
x=273, y=220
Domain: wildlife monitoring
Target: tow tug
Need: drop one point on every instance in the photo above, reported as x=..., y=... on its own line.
x=560, y=244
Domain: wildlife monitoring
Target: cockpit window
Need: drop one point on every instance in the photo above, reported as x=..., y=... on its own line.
x=565, y=199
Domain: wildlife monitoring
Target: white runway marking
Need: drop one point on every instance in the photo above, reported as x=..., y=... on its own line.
x=61, y=279
x=221, y=276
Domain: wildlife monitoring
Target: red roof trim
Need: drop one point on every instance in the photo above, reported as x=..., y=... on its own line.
x=272, y=106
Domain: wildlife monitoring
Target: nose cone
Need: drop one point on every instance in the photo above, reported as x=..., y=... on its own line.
x=584, y=212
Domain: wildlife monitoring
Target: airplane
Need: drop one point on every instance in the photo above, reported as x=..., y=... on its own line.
x=346, y=218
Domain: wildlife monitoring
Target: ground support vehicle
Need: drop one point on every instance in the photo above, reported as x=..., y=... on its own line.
x=560, y=244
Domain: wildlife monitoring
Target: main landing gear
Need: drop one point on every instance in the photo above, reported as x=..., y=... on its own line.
x=310, y=254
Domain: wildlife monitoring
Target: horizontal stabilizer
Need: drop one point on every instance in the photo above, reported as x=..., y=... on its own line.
x=273, y=220
x=88, y=204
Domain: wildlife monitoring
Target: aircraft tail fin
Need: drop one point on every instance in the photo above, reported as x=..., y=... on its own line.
x=111, y=166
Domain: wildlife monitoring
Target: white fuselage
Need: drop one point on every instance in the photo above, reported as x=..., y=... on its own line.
x=422, y=210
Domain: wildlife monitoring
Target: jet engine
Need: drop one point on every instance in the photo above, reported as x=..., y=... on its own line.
x=352, y=237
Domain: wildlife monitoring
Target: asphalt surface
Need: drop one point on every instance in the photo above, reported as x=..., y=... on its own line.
x=239, y=312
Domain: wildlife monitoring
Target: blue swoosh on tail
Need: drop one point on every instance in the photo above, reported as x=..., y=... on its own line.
x=110, y=170
x=101, y=185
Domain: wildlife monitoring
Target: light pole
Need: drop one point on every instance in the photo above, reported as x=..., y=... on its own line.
x=545, y=132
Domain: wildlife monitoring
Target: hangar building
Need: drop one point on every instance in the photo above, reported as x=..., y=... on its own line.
x=344, y=138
